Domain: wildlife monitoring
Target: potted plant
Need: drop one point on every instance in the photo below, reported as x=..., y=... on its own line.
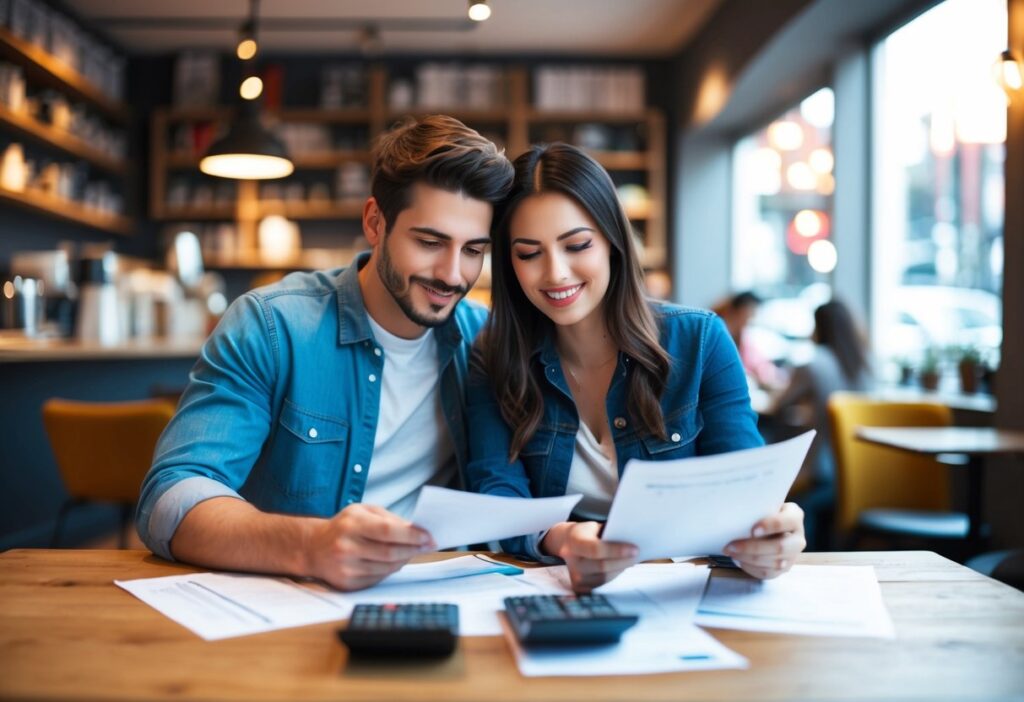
x=970, y=366
x=929, y=372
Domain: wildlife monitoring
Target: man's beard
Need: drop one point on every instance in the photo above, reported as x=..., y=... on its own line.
x=402, y=293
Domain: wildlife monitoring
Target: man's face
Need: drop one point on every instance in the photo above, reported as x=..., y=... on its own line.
x=434, y=253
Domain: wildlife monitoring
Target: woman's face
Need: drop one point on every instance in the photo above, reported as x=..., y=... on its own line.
x=561, y=259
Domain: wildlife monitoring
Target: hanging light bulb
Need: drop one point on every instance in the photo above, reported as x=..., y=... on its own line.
x=1008, y=72
x=247, y=46
x=479, y=10
x=248, y=151
x=251, y=88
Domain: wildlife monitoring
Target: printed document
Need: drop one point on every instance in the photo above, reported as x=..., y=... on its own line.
x=457, y=518
x=664, y=640
x=695, y=506
x=809, y=599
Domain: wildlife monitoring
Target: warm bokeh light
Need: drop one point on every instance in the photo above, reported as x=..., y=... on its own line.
x=800, y=176
x=822, y=256
x=246, y=49
x=251, y=88
x=808, y=223
x=479, y=11
x=246, y=166
x=821, y=160
x=786, y=135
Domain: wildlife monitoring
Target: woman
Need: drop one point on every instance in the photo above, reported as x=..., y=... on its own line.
x=577, y=372
x=840, y=362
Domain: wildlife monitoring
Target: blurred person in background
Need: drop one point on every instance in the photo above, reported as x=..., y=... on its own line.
x=840, y=363
x=737, y=311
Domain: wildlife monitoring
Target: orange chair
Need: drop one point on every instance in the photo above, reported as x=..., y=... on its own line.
x=884, y=490
x=103, y=450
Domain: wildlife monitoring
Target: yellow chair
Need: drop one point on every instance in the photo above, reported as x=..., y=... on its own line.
x=103, y=450
x=885, y=490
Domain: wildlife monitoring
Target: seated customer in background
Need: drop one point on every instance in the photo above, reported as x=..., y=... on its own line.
x=577, y=372
x=840, y=363
x=323, y=403
x=736, y=312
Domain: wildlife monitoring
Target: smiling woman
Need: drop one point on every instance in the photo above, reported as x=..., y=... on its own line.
x=577, y=372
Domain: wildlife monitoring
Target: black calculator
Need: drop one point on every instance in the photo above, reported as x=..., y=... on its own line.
x=566, y=619
x=416, y=629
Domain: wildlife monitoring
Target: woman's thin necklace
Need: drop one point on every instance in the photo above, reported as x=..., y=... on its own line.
x=600, y=366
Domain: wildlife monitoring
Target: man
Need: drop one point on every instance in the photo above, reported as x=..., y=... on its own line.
x=323, y=403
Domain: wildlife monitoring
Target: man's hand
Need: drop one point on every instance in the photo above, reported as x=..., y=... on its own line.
x=777, y=541
x=361, y=545
x=591, y=561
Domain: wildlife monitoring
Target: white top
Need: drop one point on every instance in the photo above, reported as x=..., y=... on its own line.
x=412, y=447
x=592, y=474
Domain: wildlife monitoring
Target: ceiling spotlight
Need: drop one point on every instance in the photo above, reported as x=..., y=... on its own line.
x=479, y=10
x=247, y=47
x=251, y=88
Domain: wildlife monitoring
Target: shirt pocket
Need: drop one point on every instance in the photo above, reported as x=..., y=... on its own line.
x=310, y=451
x=682, y=429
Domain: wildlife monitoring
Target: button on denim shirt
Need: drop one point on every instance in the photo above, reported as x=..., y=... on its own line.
x=706, y=405
x=283, y=404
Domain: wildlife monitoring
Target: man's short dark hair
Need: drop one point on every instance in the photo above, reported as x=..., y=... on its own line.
x=439, y=151
x=747, y=298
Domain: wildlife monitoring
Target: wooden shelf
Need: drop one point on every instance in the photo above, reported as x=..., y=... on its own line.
x=291, y=114
x=309, y=259
x=494, y=116
x=205, y=212
x=320, y=160
x=312, y=210
x=41, y=66
x=535, y=115
x=61, y=140
x=68, y=211
x=621, y=160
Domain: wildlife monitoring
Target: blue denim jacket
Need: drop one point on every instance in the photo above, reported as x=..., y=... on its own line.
x=282, y=405
x=706, y=406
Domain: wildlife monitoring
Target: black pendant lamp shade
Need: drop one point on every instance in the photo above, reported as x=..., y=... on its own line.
x=248, y=151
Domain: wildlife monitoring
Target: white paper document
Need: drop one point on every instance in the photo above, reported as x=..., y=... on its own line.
x=664, y=640
x=457, y=518
x=809, y=599
x=450, y=569
x=695, y=506
x=222, y=605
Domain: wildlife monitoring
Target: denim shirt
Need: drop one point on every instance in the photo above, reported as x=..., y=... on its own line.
x=706, y=406
x=282, y=406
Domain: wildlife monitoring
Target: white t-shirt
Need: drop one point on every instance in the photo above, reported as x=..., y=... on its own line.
x=593, y=474
x=412, y=447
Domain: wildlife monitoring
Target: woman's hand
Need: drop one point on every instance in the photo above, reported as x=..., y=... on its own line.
x=591, y=561
x=777, y=541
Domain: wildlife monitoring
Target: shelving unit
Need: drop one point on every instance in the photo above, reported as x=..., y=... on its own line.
x=43, y=69
x=513, y=120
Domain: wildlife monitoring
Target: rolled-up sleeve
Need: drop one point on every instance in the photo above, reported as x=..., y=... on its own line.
x=222, y=422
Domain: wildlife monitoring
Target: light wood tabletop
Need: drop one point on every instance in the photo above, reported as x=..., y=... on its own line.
x=67, y=632
x=975, y=441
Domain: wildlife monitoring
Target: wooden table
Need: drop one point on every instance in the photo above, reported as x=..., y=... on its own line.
x=975, y=442
x=67, y=632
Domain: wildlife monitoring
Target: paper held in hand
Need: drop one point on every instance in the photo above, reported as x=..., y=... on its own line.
x=456, y=518
x=695, y=506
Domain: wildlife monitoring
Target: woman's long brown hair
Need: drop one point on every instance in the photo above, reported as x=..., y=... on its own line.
x=516, y=327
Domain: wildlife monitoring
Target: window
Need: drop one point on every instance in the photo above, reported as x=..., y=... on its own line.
x=782, y=213
x=940, y=128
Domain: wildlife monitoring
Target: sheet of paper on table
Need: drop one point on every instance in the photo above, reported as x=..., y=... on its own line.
x=457, y=518
x=809, y=599
x=700, y=504
x=222, y=605
x=664, y=640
